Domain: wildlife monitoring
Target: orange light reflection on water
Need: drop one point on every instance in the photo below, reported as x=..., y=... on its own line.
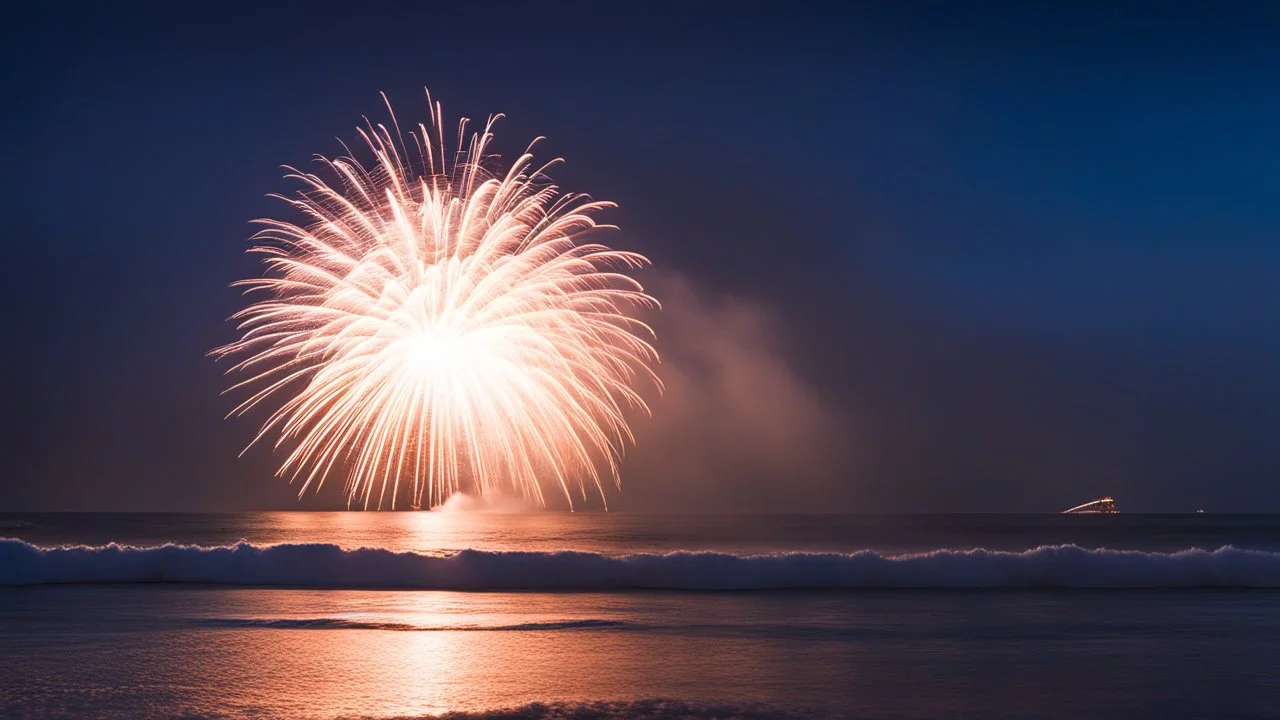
x=451, y=651
x=430, y=533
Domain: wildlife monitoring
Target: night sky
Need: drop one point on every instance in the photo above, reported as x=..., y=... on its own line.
x=920, y=257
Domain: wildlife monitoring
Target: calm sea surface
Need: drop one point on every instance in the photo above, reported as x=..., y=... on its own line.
x=1195, y=636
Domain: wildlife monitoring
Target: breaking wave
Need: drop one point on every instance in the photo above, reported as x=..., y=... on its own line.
x=331, y=566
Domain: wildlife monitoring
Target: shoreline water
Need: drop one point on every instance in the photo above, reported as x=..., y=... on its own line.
x=314, y=651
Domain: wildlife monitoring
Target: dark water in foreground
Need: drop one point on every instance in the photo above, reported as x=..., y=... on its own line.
x=996, y=635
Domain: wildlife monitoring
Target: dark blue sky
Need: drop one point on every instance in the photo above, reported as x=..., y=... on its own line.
x=1021, y=253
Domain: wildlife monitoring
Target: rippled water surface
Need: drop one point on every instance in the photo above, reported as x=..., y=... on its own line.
x=166, y=649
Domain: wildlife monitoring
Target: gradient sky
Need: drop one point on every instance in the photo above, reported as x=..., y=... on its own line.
x=992, y=256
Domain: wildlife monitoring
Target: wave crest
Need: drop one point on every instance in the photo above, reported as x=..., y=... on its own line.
x=330, y=566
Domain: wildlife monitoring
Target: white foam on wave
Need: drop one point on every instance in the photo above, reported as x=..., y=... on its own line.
x=330, y=566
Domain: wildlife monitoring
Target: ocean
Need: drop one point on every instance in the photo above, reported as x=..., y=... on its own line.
x=595, y=615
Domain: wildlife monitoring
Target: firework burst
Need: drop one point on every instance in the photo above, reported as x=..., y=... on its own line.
x=437, y=324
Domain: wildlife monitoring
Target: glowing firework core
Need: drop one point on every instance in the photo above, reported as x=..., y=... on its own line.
x=434, y=324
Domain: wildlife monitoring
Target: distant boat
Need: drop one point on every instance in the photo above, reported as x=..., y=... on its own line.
x=1104, y=505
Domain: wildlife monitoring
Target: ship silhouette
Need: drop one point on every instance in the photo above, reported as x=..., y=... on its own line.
x=1104, y=505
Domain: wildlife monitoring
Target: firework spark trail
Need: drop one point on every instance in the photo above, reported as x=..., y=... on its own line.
x=434, y=325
